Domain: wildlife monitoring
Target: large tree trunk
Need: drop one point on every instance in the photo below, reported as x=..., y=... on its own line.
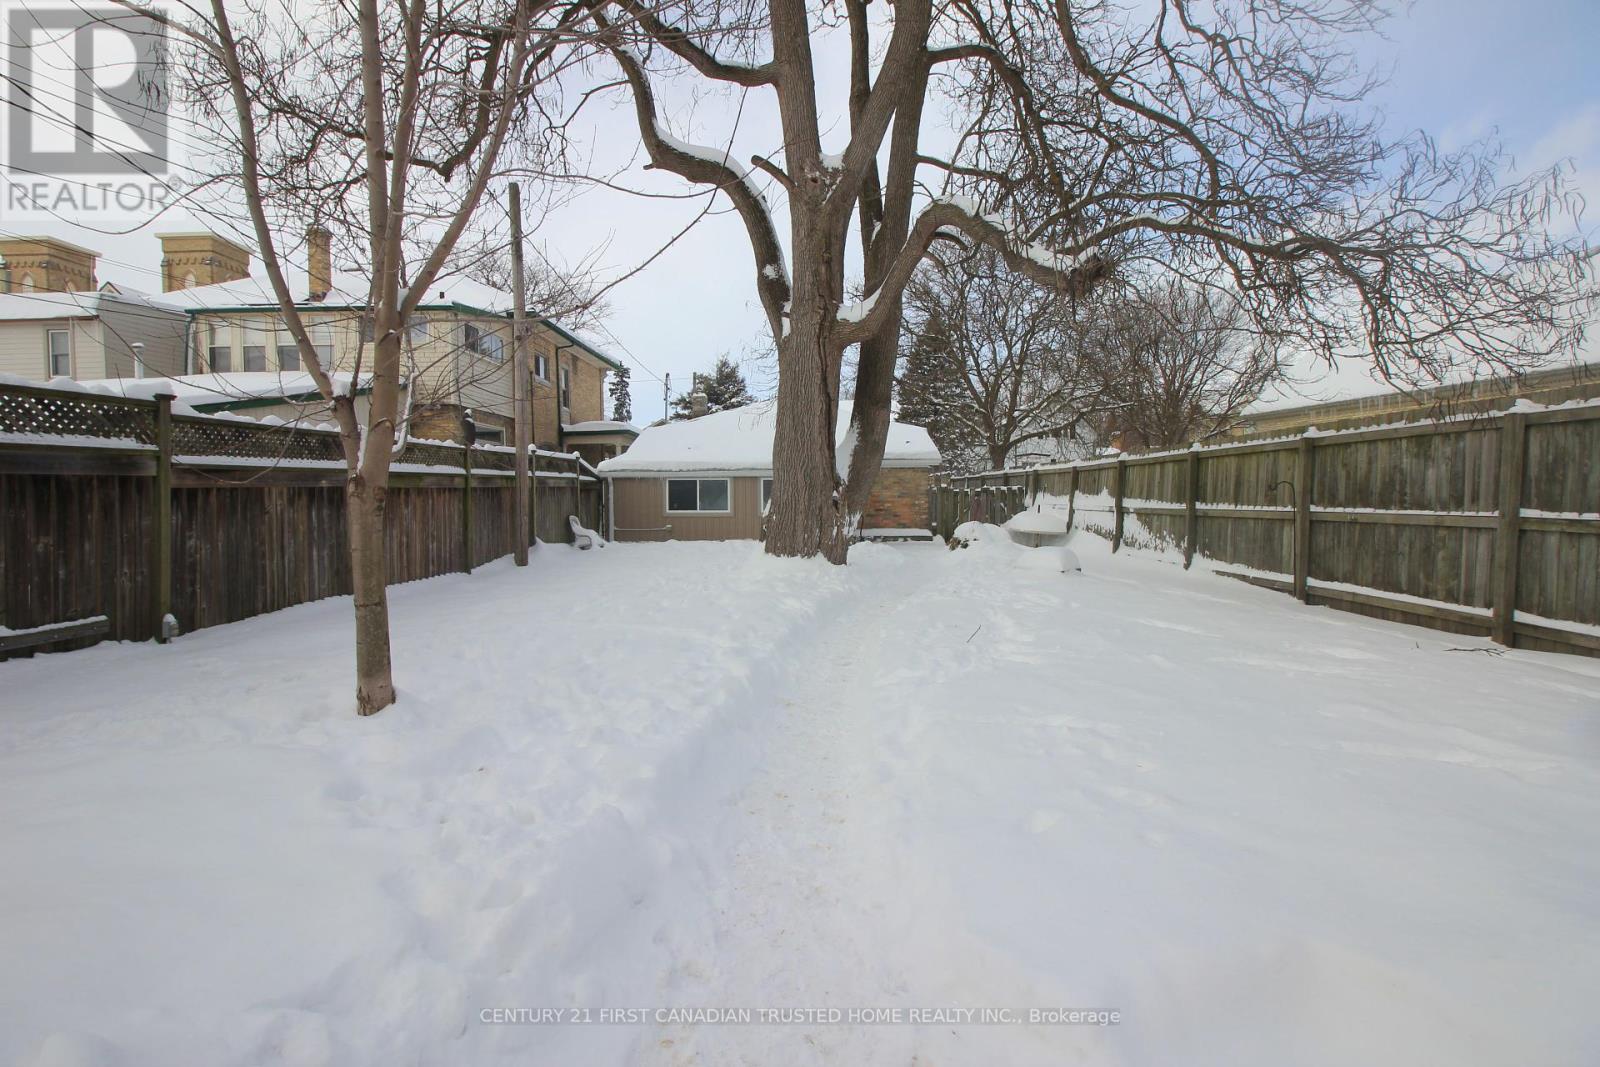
x=869, y=417
x=807, y=501
x=364, y=504
x=997, y=455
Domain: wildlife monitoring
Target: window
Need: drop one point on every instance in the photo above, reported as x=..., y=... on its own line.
x=367, y=328
x=417, y=330
x=766, y=494
x=493, y=347
x=541, y=366
x=219, y=348
x=491, y=435
x=697, y=494
x=322, y=340
x=566, y=388
x=255, y=345
x=58, y=350
x=288, y=351
x=471, y=337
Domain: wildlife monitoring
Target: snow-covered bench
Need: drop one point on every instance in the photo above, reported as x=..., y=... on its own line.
x=50, y=633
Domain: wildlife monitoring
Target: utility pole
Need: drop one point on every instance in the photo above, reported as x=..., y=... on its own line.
x=520, y=384
x=666, y=396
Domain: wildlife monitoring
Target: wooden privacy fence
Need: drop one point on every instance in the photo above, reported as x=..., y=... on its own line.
x=1488, y=525
x=118, y=512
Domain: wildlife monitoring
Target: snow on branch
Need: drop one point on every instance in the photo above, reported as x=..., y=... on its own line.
x=957, y=215
x=711, y=166
x=681, y=44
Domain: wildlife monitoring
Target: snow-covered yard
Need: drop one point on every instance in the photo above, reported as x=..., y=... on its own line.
x=685, y=778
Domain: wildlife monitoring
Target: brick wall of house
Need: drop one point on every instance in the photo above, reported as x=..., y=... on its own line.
x=543, y=343
x=442, y=422
x=899, y=500
x=588, y=392
x=588, y=388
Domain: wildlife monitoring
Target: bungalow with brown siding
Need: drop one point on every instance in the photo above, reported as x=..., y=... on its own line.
x=710, y=479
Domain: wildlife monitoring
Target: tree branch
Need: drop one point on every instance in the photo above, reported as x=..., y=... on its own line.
x=772, y=279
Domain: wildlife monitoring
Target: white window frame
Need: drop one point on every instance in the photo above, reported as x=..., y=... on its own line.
x=766, y=494
x=282, y=341
x=541, y=366
x=321, y=335
x=49, y=354
x=471, y=337
x=417, y=330
x=564, y=387
x=219, y=338
x=492, y=347
x=253, y=334
x=666, y=496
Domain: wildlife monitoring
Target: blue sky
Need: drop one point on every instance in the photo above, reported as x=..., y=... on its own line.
x=1460, y=69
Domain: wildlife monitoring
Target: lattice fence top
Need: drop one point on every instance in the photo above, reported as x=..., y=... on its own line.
x=436, y=454
x=494, y=459
x=227, y=437
x=50, y=413
x=46, y=413
x=484, y=457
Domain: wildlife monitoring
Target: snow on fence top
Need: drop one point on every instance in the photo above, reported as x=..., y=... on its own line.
x=64, y=413
x=740, y=439
x=1466, y=421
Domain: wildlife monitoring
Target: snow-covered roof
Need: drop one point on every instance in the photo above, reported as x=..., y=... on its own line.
x=600, y=426
x=453, y=293
x=20, y=307
x=741, y=440
x=203, y=390
x=255, y=292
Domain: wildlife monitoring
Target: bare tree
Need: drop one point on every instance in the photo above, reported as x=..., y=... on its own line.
x=1175, y=136
x=997, y=360
x=385, y=124
x=1175, y=363
x=574, y=295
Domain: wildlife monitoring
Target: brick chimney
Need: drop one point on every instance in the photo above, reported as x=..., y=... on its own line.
x=319, y=262
x=697, y=403
x=200, y=258
x=46, y=265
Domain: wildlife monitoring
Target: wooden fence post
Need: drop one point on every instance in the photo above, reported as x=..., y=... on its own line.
x=1072, y=498
x=466, y=507
x=533, y=497
x=1191, y=510
x=1508, y=532
x=161, y=543
x=1305, y=475
x=1116, y=526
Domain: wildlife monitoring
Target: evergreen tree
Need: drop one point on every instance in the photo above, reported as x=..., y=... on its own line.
x=724, y=388
x=933, y=394
x=621, y=398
